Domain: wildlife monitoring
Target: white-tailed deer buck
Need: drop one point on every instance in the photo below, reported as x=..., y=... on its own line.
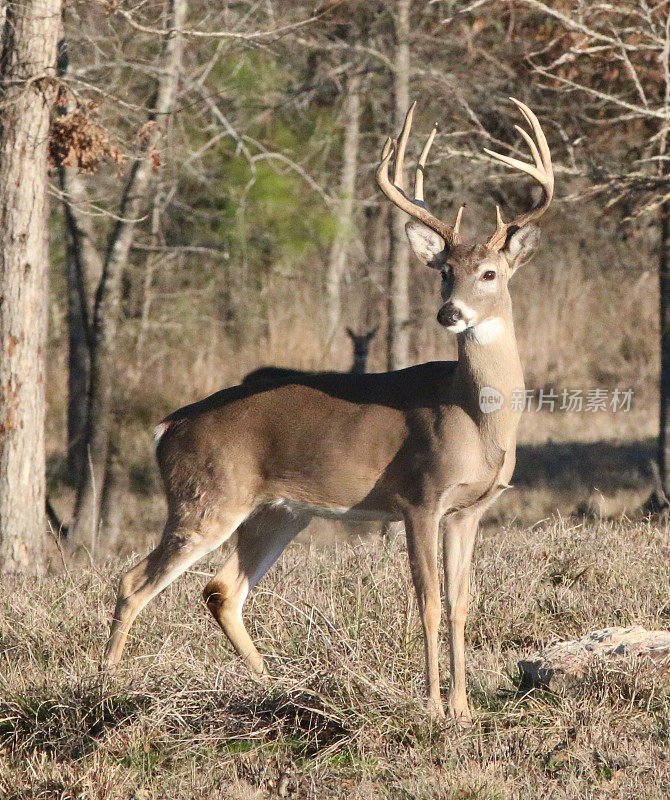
x=417, y=444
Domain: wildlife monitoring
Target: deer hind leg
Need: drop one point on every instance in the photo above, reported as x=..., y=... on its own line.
x=180, y=547
x=459, y=538
x=422, y=535
x=260, y=542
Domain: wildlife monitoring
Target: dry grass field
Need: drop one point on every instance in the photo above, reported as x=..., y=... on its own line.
x=342, y=717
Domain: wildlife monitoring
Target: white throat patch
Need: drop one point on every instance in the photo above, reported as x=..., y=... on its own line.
x=487, y=331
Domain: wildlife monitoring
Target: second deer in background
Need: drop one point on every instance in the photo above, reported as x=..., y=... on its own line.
x=361, y=350
x=361, y=344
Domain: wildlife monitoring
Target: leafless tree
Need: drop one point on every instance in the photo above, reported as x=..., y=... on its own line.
x=609, y=64
x=29, y=35
x=105, y=314
x=397, y=334
x=351, y=112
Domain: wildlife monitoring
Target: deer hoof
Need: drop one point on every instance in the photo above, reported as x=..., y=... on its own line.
x=435, y=709
x=461, y=716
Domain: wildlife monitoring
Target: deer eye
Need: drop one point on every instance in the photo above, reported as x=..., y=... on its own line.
x=489, y=275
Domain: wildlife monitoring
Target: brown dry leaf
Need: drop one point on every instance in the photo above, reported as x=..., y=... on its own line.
x=76, y=140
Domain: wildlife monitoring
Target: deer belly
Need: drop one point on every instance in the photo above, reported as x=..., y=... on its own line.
x=355, y=513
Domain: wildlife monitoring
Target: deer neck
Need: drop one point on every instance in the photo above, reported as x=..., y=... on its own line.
x=489, y=375
x=359, y=366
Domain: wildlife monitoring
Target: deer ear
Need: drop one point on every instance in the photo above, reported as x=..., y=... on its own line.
x=521, y=246
x=371, y=334
x=350, y=333
x=428, y=246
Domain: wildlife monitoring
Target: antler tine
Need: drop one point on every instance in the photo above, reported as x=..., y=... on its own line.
x=398, y=179
x=418, y=181
x=457, y=224
x=537, y=158
x=534, y=123
x=394, y=190
x=541, y=171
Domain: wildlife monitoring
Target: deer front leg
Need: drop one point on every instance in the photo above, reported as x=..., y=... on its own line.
x=422, y=533
x=459, y=538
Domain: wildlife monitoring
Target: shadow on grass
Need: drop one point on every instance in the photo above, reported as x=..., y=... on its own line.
x=301, y=717
x=69, y=724
x=564, y=466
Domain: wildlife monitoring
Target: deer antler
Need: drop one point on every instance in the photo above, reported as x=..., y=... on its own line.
x=541, y=171
x=395, y=190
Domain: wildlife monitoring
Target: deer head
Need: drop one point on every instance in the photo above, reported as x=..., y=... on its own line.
x=474, y=276
x=361, y=345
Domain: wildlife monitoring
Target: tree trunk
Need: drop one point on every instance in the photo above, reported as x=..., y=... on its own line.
x=77, y=376
x=29, y=37
x=108, y=296
x=345, y=216
x=153, y=259
x=111, y=502
x=84, y=268
x=664, y=276
x=397, y=335
x=83, y=271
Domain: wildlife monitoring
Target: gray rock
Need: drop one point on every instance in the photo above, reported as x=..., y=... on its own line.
x=565, y=663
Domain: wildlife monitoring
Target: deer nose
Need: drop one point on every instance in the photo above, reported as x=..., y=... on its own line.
x=449, y=315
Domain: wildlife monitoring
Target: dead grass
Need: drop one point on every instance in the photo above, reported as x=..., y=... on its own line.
x=342, y=716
